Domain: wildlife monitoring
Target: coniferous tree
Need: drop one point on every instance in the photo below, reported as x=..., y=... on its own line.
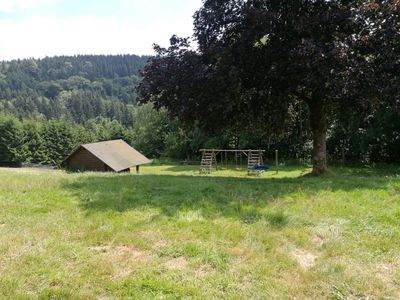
x=10, y=136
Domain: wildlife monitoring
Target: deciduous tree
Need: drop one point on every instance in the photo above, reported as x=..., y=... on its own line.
x=256, y=58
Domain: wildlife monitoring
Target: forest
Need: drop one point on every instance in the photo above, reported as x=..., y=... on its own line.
x=72, y=88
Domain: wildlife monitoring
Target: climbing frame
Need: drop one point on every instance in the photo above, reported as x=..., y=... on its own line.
x=254, y=158
x=209, y=158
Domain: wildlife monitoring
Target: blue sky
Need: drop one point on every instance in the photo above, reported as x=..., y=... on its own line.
x=38, y=28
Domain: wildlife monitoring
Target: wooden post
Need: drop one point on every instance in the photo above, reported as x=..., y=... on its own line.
x=276, y=161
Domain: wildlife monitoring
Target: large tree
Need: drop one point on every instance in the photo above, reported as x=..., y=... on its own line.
x=256, y=58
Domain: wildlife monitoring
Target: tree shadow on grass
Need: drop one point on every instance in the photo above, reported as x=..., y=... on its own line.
x=303, y=169
x=239, y=169
x=212, y=197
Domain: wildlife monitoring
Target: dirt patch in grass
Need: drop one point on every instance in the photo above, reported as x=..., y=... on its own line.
x=387, y=273
x=203, y=270
x=153, y=238
x=100, y=249
x=373, y=276
x=328, y=231
x=124, y=259
x=241, y=255
x=15, y=253
x=160, y=244
x=123, y=251
x=178, y=263
x=318, y=240
x=304, y=258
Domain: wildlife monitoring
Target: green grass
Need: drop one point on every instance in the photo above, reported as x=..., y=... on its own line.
x=170, y=233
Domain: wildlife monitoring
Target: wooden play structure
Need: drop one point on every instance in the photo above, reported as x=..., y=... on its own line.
x=209, y=159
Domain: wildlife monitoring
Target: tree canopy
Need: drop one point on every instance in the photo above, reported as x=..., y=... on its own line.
x=259, y=60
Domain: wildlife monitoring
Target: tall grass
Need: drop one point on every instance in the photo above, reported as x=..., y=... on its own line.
x=171, y=233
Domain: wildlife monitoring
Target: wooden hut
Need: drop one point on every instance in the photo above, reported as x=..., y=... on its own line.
x=109, y=156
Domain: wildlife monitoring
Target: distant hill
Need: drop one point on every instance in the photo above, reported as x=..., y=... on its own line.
x=73, y=87
x=88, y=66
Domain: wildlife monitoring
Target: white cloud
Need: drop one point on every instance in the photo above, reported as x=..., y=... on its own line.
x=8, y=6
x=131, y=27
x=49, y=36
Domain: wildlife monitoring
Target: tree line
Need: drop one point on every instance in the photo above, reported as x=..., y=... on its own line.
x=375, y=138
x=48, y=107
x=49, y=142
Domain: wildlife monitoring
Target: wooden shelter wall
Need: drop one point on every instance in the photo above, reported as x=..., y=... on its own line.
x=83, y=160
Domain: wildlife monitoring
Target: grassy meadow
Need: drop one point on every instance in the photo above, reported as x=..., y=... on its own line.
x=170, y=233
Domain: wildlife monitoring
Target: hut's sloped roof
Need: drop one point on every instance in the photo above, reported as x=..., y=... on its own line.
x=117, y=154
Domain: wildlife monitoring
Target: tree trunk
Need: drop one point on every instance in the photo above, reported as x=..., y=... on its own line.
x=318, y=124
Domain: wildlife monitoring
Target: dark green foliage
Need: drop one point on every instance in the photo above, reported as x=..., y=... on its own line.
x=75, y=88
x=50, y=142
x=63, y=67
x=10, y=136
x=58, y=141
x=150, y=129
x=370, y=138
x=33, y=148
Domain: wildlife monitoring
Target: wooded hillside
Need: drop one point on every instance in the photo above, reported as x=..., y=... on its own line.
x=74, y=88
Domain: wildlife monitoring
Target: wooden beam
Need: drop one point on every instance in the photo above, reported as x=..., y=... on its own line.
x=231, y=150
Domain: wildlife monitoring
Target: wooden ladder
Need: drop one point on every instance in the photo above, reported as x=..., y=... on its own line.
x=254, y=158
x=207, y=160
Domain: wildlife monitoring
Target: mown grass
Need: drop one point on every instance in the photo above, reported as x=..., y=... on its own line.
x=170, y=233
